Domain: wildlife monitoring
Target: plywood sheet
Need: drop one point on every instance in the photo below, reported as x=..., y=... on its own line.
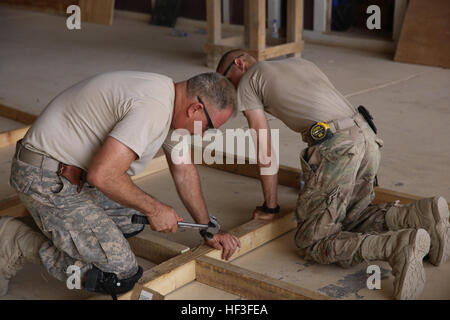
x=278, y=259
x=425, y=34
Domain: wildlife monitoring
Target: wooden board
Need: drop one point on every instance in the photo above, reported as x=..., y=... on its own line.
x=248, y=284
x=14, y=113
x=425, y=34
x=97, y=11
x=153, y=248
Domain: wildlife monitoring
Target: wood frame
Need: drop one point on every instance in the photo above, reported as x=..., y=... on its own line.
x=178, y=265
x=254, y=39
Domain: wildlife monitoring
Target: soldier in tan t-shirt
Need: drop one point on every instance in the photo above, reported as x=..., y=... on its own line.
x=336, y=221
x=102, y=131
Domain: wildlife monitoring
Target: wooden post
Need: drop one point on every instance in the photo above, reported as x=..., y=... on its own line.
x=214, y=30
x=257, y=25
x=294, y=23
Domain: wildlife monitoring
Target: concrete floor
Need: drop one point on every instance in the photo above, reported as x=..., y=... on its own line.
x=411, y=103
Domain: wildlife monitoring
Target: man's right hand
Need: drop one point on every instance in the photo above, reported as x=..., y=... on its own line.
x=164, y=219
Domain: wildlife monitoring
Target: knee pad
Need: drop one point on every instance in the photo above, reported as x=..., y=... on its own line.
x=108, y=283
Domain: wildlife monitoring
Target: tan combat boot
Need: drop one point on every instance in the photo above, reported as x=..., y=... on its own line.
x=430, y=214
x=404, y=250
x=19, y=244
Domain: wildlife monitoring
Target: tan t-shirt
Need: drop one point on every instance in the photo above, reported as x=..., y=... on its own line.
x=293, y=90
x=133, y=107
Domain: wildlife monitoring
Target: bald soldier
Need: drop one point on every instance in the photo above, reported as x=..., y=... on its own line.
x=72, y=172
x=336, y=221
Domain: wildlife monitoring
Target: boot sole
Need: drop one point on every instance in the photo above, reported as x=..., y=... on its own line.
x=442, y=229
x=413, y=279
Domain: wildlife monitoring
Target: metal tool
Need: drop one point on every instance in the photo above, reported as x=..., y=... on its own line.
x=206, y=230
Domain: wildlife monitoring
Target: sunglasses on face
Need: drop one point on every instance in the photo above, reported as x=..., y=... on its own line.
x=210, y=124
x=231, y=65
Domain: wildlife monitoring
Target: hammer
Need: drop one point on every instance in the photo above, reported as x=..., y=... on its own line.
x=206, y=230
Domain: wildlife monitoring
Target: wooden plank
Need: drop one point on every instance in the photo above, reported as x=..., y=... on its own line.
x=214, y=32
x=154, y=248
x=255, y=233
x=257, y=25
x=279, y=50
x=97, y=11
x=173, y=273
x=249, y=284
x=11, y=137
x=236, y=41
x=213, y=21
x=165, y=278
x=16, y=114
x=425, y=34
x=247, y=23
x=294, y=24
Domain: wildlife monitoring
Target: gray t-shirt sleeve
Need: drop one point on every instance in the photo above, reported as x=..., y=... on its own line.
x=143, y=123
x=249, y=95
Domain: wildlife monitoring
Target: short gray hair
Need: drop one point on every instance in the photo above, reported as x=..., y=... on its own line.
x=213, y=88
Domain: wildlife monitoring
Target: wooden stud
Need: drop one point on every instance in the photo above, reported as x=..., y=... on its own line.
x=153, y=248
x=214, y=30
x=255, y=233
x=257, y=25
x=294, y=24
x=8, y=138
x=16, y=114
x=97, y=11
x=173, y=273
x=249, y=284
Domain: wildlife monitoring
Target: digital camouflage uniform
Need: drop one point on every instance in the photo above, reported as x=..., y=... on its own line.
x=333, y=208
x=83, y=229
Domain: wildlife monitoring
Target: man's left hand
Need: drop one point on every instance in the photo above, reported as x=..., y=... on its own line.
x=225, y=241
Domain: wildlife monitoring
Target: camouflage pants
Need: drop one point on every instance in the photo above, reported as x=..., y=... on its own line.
x=333, y=208
x=83, y=229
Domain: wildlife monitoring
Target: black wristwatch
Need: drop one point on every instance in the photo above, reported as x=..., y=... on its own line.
x=270, y=210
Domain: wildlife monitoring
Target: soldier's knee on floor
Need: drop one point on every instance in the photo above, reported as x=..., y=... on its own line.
x=108, y=283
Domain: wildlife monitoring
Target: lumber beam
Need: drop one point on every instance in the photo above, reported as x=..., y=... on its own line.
x=257, y=26
x=154, y=248
x=255, y=233
x=16, y=114
x=97, y=11
x=294, y=24
x=8, y=138
x=249, y=284
x=170, y=275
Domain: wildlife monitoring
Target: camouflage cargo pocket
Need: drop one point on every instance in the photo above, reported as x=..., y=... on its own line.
x=22, y=176
x=319, y=218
